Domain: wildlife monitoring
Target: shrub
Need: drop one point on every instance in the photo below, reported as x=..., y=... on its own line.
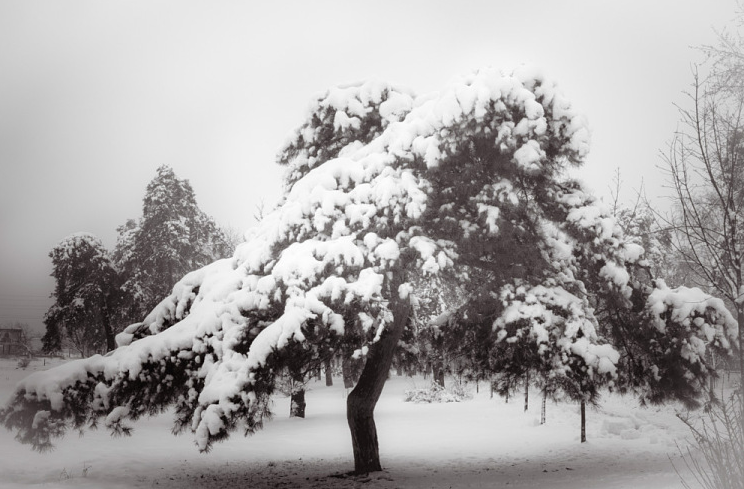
x=716, y=459
x=23, y=362
x=437, y=393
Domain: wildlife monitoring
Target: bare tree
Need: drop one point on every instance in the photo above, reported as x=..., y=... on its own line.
x=705, y=170
x=233, y=236
x=640, y=224
x=260, y=211
x=727, y=56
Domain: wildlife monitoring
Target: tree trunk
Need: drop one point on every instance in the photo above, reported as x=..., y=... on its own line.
x=328, y=373
x=399, y=370
x=712, y=387
x=544, y=402
x=526, y=391
x=347, y=373
x=360, y=404
x=583, y=421
x=740, y=320
x=439, y=374
x=106, y=323
x=297, y=404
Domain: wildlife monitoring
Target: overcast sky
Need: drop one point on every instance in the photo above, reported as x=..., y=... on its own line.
x=94, y=96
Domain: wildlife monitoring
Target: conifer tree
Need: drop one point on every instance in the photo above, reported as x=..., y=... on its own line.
x=86, y=296
x=172, y=237
x=383, y=188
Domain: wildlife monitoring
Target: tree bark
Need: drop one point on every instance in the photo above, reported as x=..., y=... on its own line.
x=347, y=373
x=740, y=320
x=361, y=402
x=583, y=421
x=328, y=373
x=297, y=404
x=544, y=402
x=712, y=386
x=439, y=374
x=106, y=323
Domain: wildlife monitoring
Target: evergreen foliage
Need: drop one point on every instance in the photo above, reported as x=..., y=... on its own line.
x=86, y=294
x=172, y=237
x=383, y=190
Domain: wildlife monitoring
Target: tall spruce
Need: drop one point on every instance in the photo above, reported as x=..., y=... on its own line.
x=172, y=237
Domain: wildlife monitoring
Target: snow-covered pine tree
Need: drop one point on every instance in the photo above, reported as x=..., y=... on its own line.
x=462, y=180
x=436, y=296
x=123, y=257
x=339, y=120
x=583, y=312
x=639, y=226
x=172, y=237
x=86, y=296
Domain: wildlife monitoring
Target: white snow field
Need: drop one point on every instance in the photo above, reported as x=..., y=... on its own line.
x=480, y=443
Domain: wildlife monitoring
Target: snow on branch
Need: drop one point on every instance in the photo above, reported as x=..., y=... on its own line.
x=363, y=173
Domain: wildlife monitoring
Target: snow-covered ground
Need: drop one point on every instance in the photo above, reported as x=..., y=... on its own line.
x=474, y=444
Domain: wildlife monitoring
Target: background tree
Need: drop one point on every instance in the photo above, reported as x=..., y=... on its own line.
x=382, y=189
x=705, y=168
x=232, y=237
x=438, y=351
x=86, y=295
x=639, y=225
x=172, y=237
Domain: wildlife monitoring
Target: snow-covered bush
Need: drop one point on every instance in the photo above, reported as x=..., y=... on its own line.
x=461, y=390
x=435, y=393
